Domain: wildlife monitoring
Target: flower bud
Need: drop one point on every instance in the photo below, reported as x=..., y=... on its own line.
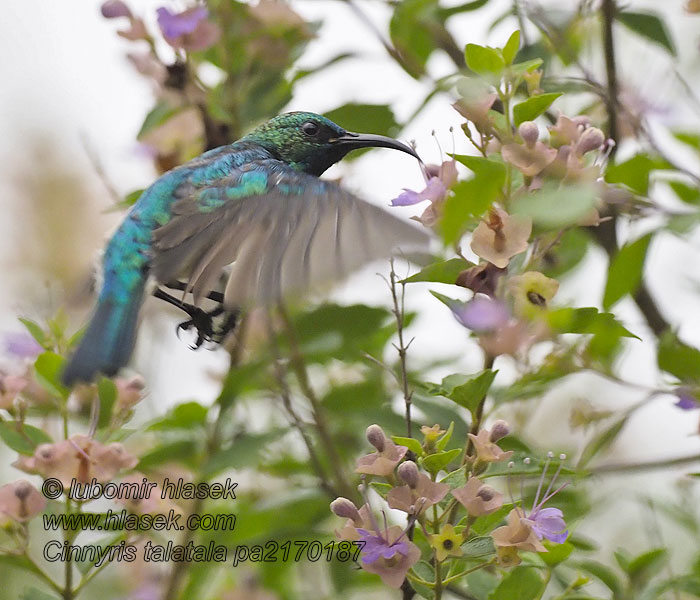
x=375, y=436
x=113, y=9
x=591, y=139
x=581, y=120
x=408, y=471
x=533, y=79
x=529, y=132
x=342, y=507
x=499, y=430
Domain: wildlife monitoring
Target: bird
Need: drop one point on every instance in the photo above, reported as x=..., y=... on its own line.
x=256, y=207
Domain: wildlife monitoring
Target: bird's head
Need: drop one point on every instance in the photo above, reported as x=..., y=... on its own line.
x=311, y=143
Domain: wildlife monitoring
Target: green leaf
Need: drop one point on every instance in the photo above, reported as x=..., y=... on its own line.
x=586, y=320
x=444, y=439
x=158, y=115
x=33, y=593
x=472, y=393
x=556, y=208
x=625, y=271
x=677, y=358
x=522, y=583
x=445, y=271
x=490, y=170
x=21, y=437
x=688, y=138
x=409, y=29
x=601, y=441
x=634, y=173
x=469, y=200
x=690, y=194
x=244, y=451
x=48, y=368
x=377, y=118
x=184, y=416
x=478, y=547
x=556, y=553
x=533, y=107
x=484, y=61
x=526, y=66
x=107, y=395
x=643, y=567
x=438, y=461
x=413, y=445
x=604, y=574
x=565, y=255
x=184, y=451
x=511, y=48
x=647, y=25
x=35, y=330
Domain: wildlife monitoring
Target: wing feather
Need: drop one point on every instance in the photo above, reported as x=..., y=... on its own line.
x=292, y=233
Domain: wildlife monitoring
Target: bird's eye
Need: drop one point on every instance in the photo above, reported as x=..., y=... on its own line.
x=310, y=128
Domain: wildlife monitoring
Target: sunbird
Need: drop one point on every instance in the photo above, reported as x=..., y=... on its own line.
x=256, y=206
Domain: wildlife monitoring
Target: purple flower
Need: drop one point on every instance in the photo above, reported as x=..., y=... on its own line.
x=376, y=547
x=481, y=314
x=686, y=399
x=173, y=25
x=434, y=191
x=113, y=9
x=188, y=30
x=22, y=345
x=549, y=523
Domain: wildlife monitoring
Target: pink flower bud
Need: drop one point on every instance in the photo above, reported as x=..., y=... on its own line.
x=529, y=132
x=408, y=471
x=591, y=139
x=375, y=436
x=113, y=9
x=344, y=508
x=499, y=430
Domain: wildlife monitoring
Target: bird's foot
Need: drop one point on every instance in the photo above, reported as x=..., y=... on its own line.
x=207, y=329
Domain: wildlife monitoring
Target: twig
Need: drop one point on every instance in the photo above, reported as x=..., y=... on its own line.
x=212, y=445
x=615, y=468
x=399, y=314
x=299, y=367
x=285, y=395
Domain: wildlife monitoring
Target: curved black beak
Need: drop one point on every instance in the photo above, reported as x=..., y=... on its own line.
x=354, y=141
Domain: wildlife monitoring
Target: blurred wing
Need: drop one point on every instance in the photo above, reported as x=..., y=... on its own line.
x=283, y=231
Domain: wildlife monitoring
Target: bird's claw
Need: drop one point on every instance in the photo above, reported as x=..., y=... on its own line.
x=203, y=322
x=206, y=331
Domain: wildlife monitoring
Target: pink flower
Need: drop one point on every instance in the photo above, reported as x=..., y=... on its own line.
x=79, y=457
x=479, y=499
x=20, y=501
x=501, y=237
x=386, y=458
x=415, y=499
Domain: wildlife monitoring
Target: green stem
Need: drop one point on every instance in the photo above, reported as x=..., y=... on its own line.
x=299, y=366
x=463, y=573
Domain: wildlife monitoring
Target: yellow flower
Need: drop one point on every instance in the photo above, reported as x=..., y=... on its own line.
x=531, y=293
x=446, y=543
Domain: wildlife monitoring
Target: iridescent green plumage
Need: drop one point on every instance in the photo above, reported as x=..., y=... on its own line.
x=257, y=204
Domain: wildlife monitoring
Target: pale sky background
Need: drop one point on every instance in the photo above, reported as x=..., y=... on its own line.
x=65, y=77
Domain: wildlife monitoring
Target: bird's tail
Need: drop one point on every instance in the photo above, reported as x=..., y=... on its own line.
x=109, y=339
